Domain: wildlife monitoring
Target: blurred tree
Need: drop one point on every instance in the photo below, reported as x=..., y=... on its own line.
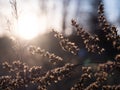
x=65, y=9
x=93, y=23
x=77, y=12
x=43, y=5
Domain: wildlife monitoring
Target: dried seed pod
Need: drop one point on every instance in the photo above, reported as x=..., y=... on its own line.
x=109, y=30
x=66, y=44
x=90, y=42
x=53, y=58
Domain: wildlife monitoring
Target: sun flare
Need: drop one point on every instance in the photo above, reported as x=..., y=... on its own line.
x=29, y=26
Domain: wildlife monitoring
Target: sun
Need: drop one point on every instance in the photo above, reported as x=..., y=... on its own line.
x=29, y=26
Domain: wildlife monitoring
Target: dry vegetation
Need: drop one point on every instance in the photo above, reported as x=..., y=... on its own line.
x=91, y=78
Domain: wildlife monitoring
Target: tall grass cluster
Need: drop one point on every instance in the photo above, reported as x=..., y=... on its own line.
x=96, y=77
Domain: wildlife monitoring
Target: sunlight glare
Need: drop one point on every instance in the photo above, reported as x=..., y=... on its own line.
x=29, y=26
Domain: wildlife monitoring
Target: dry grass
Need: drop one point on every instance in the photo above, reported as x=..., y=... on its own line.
x=21, y=75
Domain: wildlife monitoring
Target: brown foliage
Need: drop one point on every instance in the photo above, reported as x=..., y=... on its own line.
x=97, y=78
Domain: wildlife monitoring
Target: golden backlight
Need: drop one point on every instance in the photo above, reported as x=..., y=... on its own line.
x=29, y=26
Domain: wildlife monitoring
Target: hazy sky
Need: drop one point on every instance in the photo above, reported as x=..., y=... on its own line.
x=112, y=9
x=31, y=7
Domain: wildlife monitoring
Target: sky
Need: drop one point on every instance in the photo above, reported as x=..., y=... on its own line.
x=112, y=9
x=30, y=9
